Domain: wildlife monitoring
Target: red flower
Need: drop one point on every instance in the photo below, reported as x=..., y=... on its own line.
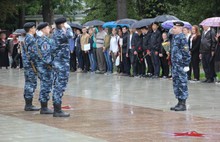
x=139, y=48
x=141, y=59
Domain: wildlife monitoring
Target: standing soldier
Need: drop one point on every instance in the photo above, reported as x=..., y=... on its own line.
x=44, y=66
x=60, y=64
x=180, y=58
x=28, y=52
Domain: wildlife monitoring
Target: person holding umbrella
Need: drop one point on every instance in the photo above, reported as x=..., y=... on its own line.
x=207, y=49
x=180, y=59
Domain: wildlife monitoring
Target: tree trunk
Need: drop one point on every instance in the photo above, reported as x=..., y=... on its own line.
x=21, y=13
x=121, y=9
x=47, y=11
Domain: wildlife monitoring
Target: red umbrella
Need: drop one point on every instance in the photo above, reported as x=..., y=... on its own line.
x=211, y=22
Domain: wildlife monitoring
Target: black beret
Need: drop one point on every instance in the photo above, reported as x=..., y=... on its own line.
x=42, y=25
x=29, y=25
x=178, y=23
x=60, y=20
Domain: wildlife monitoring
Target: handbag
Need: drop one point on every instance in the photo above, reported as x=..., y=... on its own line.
x=117, y=61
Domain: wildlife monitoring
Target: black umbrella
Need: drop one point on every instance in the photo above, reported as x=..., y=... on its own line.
x=19, y=31
x=163, y=18
x=143, y=23
x=94, y=23
x=75, y=25
x=126, y=21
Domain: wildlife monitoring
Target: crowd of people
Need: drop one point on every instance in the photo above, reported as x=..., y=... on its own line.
x=150, y=51
x=142, y=52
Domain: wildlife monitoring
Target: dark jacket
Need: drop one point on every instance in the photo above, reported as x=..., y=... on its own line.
x=196, y=45
x=217, y=50
x=125, y=42
x=133, y=39
x=155, y=41
x=208, y=42
x=146, y=39
x=139, y=43
x=77, y=43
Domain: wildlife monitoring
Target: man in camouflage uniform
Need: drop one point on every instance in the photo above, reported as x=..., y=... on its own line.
x=180, y=58
x=43, y=65
x=60, y=64
x=30, y=75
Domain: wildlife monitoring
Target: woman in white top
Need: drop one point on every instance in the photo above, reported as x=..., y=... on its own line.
x=114, y=48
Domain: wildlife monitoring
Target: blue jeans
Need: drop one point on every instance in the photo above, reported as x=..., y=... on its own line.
x=80, y=59
x=108, y=61
x=92, y=61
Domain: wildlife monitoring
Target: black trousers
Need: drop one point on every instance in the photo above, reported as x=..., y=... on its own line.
x=86, y=63
x=194, y=66
x=73, y=61
x=164, y=65
x=150, y=67
x=208, y=66
x=125, y=64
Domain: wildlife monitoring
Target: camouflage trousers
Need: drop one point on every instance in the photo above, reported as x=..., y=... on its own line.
x=30, y=82
x=179, y=82
x=46, y=79
x=61, y=74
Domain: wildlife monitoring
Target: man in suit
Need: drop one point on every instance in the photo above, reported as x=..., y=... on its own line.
x=146, y=37
x=130, y=50
x=207, y=48
x=125, y=66
x=155, y=46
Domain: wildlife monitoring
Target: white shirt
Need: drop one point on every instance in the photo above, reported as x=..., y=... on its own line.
x=130, y=41
x=205, y=32
x=191, y=39
x=114, y=43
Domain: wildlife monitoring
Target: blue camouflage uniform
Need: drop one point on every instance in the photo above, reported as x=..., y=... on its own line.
x=30, y=76
x=44, y=67
x=180, y=58
x=60, y=64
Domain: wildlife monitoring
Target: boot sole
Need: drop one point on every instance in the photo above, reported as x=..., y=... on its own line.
x=46, y=113
x=32, y=109
x=61, y=115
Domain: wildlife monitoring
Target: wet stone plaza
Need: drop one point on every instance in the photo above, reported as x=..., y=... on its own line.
x=111, y=108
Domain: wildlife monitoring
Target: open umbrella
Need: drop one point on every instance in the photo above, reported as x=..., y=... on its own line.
x=113, y=24
x=143, y=23
x=126, y=21
x=110, y=24
x=163, y=18
x=94, y=23
x=169, y=24
x=212, y=22
x=19, y=31
x=75, y=25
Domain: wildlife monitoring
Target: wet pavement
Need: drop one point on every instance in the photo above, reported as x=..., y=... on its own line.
x=110, y=108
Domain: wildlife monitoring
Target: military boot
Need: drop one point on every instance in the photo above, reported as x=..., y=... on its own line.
x=181, y=106
x=29, y=106
x=44, y=109
x=173, y=108
x=58, y=112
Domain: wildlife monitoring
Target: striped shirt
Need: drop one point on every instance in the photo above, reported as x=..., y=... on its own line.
x=100, y=36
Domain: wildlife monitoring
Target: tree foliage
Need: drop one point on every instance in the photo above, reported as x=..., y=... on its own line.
x=193, y=11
